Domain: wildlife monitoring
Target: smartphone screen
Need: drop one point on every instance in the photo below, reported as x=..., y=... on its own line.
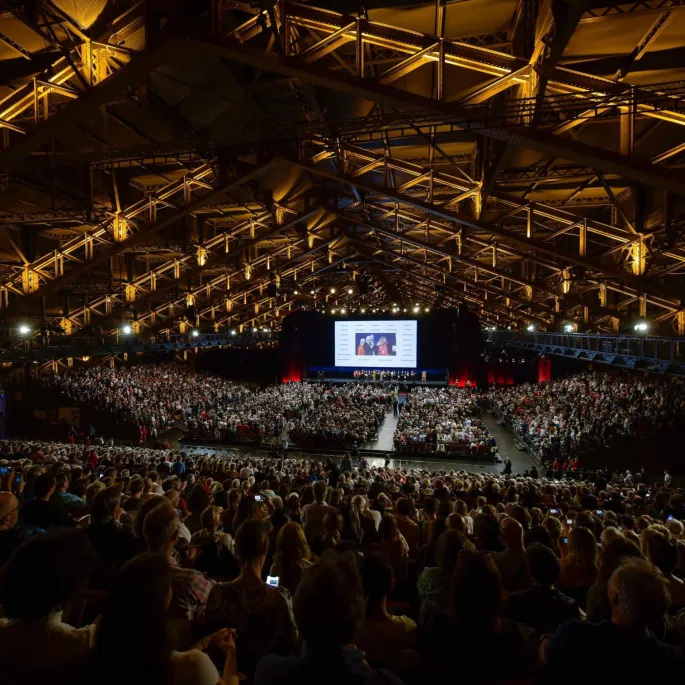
x=566, y=541
x=569, y=521
x=553, y=511
x=258, y=498
x=272, y=580
x=4, y=469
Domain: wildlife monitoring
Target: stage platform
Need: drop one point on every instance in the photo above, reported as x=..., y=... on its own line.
x=390, y=381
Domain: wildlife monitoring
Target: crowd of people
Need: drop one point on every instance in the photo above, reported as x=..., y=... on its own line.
x=158, y=566
x=589, y=410
x=209, y=407
x=444, y=419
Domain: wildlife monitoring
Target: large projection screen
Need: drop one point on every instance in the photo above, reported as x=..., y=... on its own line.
x=376, y=344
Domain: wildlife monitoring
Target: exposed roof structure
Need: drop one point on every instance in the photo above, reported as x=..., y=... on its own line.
x=213, y=164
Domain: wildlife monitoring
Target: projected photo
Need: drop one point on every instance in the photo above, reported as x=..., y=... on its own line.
x=376, y=344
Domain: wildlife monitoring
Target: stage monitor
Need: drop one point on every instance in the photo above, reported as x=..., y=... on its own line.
x=375, y=344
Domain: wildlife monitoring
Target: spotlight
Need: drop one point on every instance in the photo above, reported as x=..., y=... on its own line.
x=24, y=329
x=350, y=291
x=311, y=292
x=126, y=330
x=374, y=311
x=233, y=331
x=254, y=330
x=569, y=328
x=641, y=326
x=332, y=291
x=426, y=310
x=196, y=333
x=404, y=310
x=416, y=310
x=296, y=292
x=363, y=310
x=333, y=311
x=343, y=311
x=531, y=328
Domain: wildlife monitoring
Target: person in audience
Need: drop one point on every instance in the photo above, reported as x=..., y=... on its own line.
x=198, y=501
x=43, y=513
x=329, y=608
x=408, y=527
x=291, y=558
x=433, y=584
x=143, y=589
x=382, y=636
x=191, y=590
x=135, y=499
x=542, y=607
x=394, y=547
x=313, y=514
x=473, y=621
x=113, y=543
x=331, y=538
x=512, y=562
x=638, y=596
x=62, y=496
x=366, y=523
x=11, y=533
x=260, y=614
x=40, y=578
x=579, y=568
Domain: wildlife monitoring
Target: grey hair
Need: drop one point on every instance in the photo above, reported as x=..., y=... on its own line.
x=642, y=595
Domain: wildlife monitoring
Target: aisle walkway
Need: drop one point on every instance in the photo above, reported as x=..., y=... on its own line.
x=385, y=434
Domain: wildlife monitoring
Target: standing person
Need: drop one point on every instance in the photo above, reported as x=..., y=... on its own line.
x=260, y=614
x=667, y=478
x=507, y=466
x=313, y=514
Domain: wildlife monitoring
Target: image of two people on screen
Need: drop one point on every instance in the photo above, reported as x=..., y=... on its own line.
x=381, y=345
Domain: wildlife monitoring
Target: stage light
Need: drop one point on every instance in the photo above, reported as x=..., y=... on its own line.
x=311, y=292
x=296, y=292
x=126, y=330
x=426, y=310
x=343, y=311
x=404, y=310
x=254, y=330
x=24, y=329
x=569, y=328
x=416, y=310
x=531, y=328
x=332, y=291
x=641, y=327
x=373, y=310
x=233, y=331
x=196, y=333
x=350, y=291
x=333, y=311
x=363, y=311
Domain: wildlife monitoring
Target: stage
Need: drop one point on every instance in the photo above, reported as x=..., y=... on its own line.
x=391, y=381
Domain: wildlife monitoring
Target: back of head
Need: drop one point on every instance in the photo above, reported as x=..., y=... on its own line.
x=329, y=605
x=661, y=552
x=291, y=545
x=476, y=591
x=140, y=592
x=44, y=572
x=638, y=594
x=450, y=544
x=160, y=528
x=105, y=504
x=319, y=490
x=377, y=578
x=543, y=564
x=44, y=483
x=583, y=548
x=251, y=541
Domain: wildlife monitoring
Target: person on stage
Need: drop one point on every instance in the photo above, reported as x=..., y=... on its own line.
x=383, y=347
x=367, y=346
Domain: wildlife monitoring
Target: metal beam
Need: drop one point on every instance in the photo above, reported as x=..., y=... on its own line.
x=541, y=141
